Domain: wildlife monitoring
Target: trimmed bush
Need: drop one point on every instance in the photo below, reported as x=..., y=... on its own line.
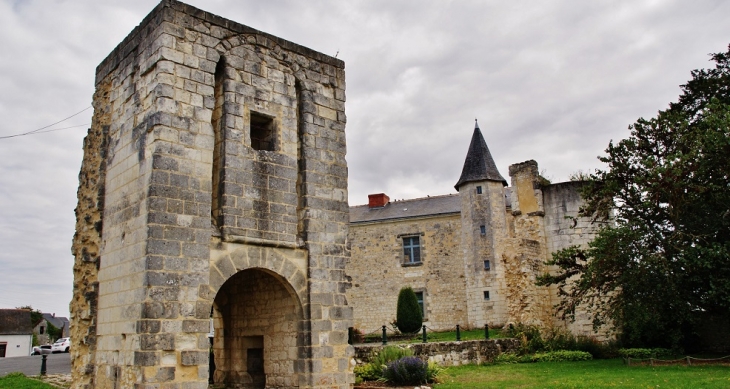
x=550, y=356
x=409, y=318
x=645, y=353
x=407, y=371
x=561, y=356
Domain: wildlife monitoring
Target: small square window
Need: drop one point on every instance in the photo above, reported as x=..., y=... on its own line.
x=486, y=295
x=487, y=265
x=262, y=132
x=483, y=230
x=411, y=250
x=479, y=190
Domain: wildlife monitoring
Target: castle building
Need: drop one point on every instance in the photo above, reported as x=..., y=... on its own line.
x=472, y=257
x=213, y=185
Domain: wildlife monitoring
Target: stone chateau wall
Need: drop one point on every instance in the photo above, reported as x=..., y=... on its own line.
x=378, y=272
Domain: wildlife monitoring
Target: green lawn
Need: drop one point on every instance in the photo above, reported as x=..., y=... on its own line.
x=590, y=374
x=19, y=381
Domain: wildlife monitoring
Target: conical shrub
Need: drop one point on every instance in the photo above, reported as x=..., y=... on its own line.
x=409, y=317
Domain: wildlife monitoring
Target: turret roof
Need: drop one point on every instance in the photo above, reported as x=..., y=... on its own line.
x=479, y=164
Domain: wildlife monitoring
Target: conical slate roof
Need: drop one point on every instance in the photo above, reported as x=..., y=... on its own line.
x=479, y=165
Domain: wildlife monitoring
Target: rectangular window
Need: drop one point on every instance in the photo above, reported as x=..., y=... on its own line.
x=486, y=295
x=483, y=230
x=419, y=296
x=487, y=265
x=411, y=249
x=262, y=132
x=479, y=190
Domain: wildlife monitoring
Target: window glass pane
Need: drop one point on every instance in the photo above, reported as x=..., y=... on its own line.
x=416, y=254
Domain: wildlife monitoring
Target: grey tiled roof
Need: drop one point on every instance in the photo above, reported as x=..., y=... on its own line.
x=479, y=164
x=426, y=206
x=58, y=322
x=15, y=322
x=403, y=209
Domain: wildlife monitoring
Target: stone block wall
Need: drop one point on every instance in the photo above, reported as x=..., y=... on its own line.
x=526, y=250
x=564, y=229
x=448, y=353
x=176, y=170
x=379, y=271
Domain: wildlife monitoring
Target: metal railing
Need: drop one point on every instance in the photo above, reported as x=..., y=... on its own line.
x=423, y=334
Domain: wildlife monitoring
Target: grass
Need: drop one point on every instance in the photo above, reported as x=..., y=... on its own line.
x=20, y=381
x=465, y=335
x=610, y=373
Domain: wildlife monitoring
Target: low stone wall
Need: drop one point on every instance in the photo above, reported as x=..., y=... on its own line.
x=446, y=353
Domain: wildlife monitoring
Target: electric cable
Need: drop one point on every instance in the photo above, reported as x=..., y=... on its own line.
x=40, y=130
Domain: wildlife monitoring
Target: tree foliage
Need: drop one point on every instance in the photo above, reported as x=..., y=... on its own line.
x=662, y=254
x=409, y=317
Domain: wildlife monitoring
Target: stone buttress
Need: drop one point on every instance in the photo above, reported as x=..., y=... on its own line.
x=212, y=212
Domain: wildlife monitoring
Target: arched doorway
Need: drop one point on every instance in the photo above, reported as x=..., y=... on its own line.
x=256, y=317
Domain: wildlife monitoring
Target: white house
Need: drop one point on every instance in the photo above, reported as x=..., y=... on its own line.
x=16, y=333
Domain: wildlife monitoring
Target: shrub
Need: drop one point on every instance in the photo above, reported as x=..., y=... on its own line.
x=390, y=354
x=409, y=318
x=561, y=356
x=368, y=372
x=373, y=371
x=533, y=340
x=645, y=353
x=407, y=371
x=550, y=356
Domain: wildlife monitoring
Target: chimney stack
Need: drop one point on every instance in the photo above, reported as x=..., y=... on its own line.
x=378, y=200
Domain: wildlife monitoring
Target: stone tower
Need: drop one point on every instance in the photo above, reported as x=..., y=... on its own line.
x=212, y=212
x=483, y=233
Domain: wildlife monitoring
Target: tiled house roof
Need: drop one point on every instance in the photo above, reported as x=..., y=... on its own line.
x=426, y=206
x=15, y=322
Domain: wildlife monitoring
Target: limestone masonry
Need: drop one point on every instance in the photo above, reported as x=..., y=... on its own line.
x=213, y=189
x=472, y=258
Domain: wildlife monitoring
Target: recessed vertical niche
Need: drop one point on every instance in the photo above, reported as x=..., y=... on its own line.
x=218, y=146
x=262, y=132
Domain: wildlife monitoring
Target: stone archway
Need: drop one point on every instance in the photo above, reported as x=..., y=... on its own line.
x=256, y=320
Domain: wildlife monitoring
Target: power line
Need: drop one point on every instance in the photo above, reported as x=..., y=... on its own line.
x=40, y=130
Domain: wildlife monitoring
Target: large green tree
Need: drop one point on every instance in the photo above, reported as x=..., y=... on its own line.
x=662, y=255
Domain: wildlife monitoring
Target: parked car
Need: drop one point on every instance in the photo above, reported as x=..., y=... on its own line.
x=37, y=349
x=61, y=346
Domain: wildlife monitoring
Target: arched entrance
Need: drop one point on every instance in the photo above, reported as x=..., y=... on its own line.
x=256, y=317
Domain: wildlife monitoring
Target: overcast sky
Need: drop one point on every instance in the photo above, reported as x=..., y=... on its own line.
x=552, y=81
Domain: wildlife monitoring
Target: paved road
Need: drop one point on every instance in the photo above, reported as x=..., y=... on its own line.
x=55, y=364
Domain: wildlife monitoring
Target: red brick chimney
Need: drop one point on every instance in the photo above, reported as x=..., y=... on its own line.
x=378, y=200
